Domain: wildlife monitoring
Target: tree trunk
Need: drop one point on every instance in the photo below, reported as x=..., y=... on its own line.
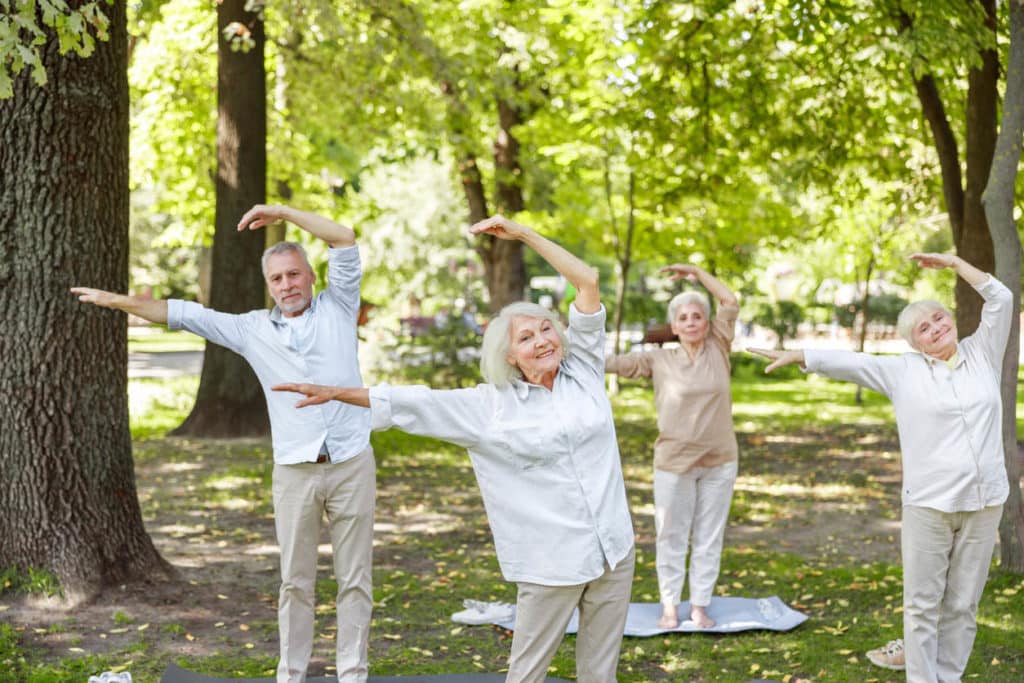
x=864, y=302
x=230, y=402
x=998, y=201
x=68, y=502
x=966, y=215
x=504, y=268
x=624, y=247
x=975, y=244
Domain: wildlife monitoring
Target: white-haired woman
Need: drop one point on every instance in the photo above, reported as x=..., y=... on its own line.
x=949, y=415
x=542, y=442
x=695, y=454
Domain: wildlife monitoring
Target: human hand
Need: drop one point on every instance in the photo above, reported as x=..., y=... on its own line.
x=778, y=358
x=315, y=393
x=682, y=270
x=934, y=260
x=98, y=297
x=261, y=216
x=500, y=227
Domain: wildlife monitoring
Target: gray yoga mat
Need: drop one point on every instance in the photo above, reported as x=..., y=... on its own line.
x=175, y=674
x=731, y=615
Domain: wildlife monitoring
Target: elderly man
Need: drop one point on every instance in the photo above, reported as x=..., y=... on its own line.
x=323, y=462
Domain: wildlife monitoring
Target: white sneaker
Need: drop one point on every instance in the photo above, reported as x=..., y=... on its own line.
x=479, y=612
x=889, y=656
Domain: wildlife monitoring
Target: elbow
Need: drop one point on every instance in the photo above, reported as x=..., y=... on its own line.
x=591, y=279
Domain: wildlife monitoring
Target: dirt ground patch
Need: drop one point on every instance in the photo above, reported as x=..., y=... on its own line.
x=207, y=509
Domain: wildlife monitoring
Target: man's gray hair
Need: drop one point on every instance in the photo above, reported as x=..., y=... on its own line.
x=912, y=314
x=690, y=297
x=494, y=350
x=284, y=248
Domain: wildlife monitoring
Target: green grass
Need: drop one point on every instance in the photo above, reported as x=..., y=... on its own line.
x=810, y=457
x=156, y=339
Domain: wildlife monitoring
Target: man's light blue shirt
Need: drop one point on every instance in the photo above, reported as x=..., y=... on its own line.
x=322, y=349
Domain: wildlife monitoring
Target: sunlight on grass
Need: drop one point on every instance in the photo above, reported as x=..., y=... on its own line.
x=157, y=338
x=231, y=483
x=787, y=490
x=156, y=406
x=818, y=491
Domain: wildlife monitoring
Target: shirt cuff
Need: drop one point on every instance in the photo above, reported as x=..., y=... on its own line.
x=813, y=361
x=175, y=313
x=989, y=286
x=343, y=252
x=586, y=321
x=380, y=407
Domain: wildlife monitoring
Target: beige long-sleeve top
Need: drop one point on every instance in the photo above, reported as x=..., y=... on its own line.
x=691, y=397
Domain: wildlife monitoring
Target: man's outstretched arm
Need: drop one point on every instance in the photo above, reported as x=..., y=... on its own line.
x=153, y=310
x=262, y=215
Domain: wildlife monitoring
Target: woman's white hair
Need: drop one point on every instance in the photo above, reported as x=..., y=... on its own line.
x=691, y=297
x=494, y=350
x=912, y=314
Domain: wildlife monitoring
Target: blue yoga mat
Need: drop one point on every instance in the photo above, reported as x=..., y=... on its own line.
x=730, y=615
x=175, y=674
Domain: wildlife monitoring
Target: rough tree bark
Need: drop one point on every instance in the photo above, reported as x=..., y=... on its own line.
x=998, y=201
x=968, y=223
x=68, y=502
x=230, y=402
x=504, y=268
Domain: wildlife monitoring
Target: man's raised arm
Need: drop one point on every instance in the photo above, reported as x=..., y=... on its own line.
x=153, y=310
x=262, y=215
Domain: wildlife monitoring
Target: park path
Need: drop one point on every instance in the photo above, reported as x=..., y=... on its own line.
x=164, y=364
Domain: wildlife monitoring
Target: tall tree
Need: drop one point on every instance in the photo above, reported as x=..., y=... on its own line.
x=230, y=401
x=967, y=216
x=68, y=501
x=998, y=200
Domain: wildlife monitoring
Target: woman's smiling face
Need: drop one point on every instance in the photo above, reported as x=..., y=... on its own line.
x=935, y=334
x=536, y=348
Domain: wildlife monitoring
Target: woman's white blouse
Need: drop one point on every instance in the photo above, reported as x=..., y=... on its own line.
x=547, y=462
x=949, y=420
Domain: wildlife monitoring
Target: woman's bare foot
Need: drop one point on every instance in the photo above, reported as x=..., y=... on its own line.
x=699, y=616
x=669, y=617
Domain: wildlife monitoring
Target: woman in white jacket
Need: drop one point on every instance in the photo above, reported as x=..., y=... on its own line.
x=949, y=417
x=542, y=442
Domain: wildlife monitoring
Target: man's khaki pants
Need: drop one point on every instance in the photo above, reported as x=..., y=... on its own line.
x=302, y=494
x=946, y=556
x=543, y=612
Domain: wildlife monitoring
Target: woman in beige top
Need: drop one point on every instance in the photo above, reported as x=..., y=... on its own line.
x=695, y=455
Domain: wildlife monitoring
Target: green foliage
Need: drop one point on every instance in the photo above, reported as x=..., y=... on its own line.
x=443, y=357
x=172, y=77
x=157, y=406
x=781, y=317
x=884, y=309
x=23, y=30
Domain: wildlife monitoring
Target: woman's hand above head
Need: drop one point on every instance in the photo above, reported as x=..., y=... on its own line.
x=583, y=277
x=931, y=260
x=678, y=271
x=778, y=358
x=973, y=276
x=500, y=227
x=317, y=394
x=715, y=287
